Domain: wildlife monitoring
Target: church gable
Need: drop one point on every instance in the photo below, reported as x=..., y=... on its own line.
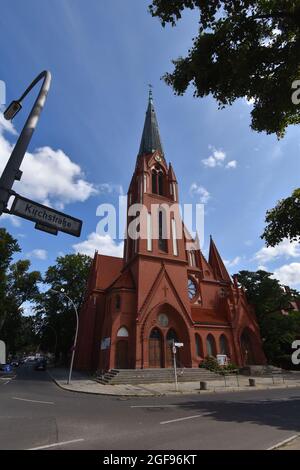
x=161, y=292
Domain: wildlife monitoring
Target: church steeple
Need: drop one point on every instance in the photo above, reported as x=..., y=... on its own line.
x=150, y=139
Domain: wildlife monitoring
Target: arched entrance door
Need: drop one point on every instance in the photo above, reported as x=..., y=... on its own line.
x=155, y=349
x=171, y=337
x=122, y=354
x=247, y=348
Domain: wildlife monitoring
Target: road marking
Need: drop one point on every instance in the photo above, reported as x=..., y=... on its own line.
x=33, y=401
x=282, y=443
x=157, y=406
x=183, y=419
x=56, y=444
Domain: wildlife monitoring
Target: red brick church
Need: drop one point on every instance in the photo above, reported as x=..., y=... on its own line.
x=163, y=289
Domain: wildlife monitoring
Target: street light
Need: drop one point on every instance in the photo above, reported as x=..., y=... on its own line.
x=62, y=291
x=12, y=170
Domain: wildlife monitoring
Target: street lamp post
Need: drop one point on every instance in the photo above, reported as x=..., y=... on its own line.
x=12, y=170
x=76, y=333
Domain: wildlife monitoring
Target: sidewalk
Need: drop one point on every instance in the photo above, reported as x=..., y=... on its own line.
x=86, y=384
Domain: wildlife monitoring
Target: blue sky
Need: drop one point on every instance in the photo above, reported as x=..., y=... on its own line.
x=102, y=55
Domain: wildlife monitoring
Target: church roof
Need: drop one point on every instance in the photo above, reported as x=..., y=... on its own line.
x=150, y=139
x=124, y=281
x=108, y=269
x=216, y=263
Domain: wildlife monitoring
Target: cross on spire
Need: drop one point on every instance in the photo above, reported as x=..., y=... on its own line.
x=150, y=91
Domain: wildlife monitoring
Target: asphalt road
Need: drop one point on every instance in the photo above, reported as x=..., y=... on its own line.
x=35, y=413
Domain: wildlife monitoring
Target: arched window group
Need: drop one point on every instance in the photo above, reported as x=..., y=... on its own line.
x=211, y=347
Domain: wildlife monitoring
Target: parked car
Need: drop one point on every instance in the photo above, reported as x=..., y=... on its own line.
x=15, y=363
x=5, y=368
x=41, y=364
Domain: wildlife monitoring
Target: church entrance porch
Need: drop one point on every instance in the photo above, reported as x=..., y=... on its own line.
x=166, y=326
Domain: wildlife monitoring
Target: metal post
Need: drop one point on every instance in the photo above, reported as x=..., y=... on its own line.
x=175, y=367
x=76, y=333
x=75, y=340
x=12, y=170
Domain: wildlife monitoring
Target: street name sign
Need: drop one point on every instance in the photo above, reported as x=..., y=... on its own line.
x=178, y=345
x=46, y=219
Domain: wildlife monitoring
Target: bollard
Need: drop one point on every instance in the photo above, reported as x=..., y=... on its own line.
x=252, y=383
x=203, y=385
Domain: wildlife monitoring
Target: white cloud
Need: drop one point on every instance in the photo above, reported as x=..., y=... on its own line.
x=110, y=188
x=288, y=274
x=232, y=263
x=104, y=244
x=49, y=175
x=217, y=158
x=15, y=221
x=231, y=164
x=261, y=267
x=196, y=190
x=285, y=248
x=38, y=254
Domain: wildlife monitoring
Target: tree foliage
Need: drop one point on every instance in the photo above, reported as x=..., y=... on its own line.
x=245, y=48
x=17, y=285
x=283, y=221
x=271, y=301
x=55, y=313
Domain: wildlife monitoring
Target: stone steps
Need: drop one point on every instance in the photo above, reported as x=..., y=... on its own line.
x=144, y=376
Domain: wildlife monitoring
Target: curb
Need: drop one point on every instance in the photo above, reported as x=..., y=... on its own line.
x=283, y=443
x=101, y=393
x=197, y=392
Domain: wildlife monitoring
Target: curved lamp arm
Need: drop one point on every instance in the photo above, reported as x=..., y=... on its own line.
x=12, y=170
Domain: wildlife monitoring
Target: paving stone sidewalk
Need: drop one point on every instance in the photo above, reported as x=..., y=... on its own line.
x=86, y=384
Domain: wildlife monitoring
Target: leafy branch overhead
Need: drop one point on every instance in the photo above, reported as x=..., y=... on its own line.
x=283, y=221
x=243, y=49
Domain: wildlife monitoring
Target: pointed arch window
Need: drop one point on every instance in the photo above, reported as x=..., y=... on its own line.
x=123, y=332
x=211, y=346
x=162, y=229
x=160, y=183
x=154, y=182
x=157, y=181
x=199, y=347
x=224, y=347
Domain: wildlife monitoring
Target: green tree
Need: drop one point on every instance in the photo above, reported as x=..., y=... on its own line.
x=55, y=314
x=283, y=221
x=8, y=247
x=17, y=285
x=269, y=299
x=246, y=48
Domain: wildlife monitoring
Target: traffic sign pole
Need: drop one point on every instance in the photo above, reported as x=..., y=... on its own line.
x=175, y=367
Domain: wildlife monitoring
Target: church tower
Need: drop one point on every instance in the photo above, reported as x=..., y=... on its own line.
x=164, y=289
